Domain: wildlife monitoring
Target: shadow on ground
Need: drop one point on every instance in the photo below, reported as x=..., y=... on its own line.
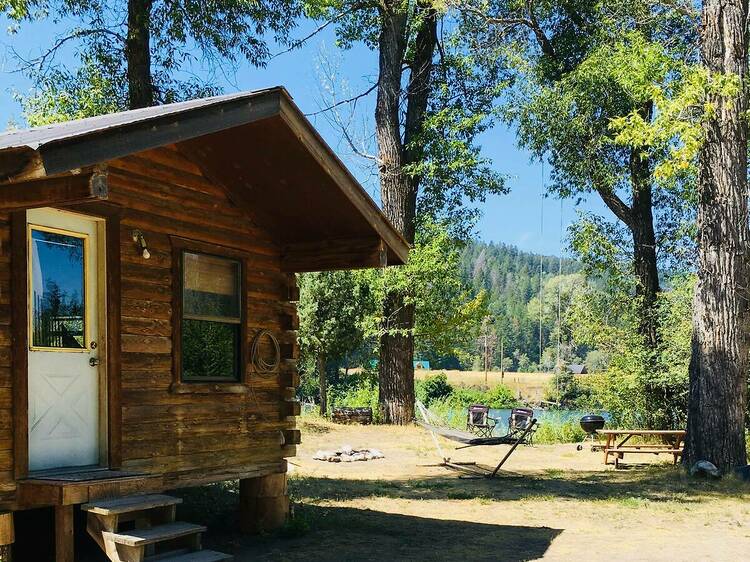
x=653, y=484
x=343, y=533
x=329, y=532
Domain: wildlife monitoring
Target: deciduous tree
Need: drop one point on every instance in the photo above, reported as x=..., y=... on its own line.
x=333, y=307
x=579, y=66
x=140, y=47
x=431, y=103
x=719, y=359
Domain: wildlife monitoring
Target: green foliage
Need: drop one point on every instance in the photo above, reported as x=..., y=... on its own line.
x=680, y=95
x=364, y=395
x=447, y=313
x=565, y=390
x=434, y=387
x=184, y=35
x=333, y=309
x=209, y=349
x=614, y=81
x=298, y=525
x=452, y=408
x=635, y=395
x=498, y=397
x=358, y=390
x=559, y=431
x=62, y=95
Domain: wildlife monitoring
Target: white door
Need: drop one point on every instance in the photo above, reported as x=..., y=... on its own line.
x=64, y=334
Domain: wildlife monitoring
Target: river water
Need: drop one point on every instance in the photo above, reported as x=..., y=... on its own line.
x=552, y=417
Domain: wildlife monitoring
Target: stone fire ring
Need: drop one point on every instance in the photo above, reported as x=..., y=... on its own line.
x=347, y=454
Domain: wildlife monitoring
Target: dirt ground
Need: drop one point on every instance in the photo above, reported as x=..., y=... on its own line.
x=550, y=502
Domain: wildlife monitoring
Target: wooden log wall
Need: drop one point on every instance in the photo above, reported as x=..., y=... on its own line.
x=220, y=428
x=7, y=483
x=191, y=436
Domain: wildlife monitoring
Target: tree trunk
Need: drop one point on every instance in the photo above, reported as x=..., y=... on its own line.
x=138, y=54
x=644, y=241
x=719, y=359
x=399, y=192
x=639, y=219
x=323, y=385
x=395, y=369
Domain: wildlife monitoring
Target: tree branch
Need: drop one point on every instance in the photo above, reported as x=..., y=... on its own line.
x=530, y=22
x=621, y=210
x=342, y=102
x=299, y=42
x=41, y=61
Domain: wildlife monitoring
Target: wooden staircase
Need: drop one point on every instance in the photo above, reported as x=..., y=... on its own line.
x=143, y=529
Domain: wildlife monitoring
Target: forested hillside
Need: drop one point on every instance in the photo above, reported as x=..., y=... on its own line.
x=511, y=279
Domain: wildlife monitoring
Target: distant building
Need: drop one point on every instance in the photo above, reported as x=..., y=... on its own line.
x=577, y=369
x=422, y=365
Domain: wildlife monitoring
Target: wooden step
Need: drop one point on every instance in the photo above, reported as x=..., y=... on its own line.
x=198, y=556
x=142, y=537
x=129, y=504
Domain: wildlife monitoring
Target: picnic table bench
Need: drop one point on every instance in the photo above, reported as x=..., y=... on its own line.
x=671, y=443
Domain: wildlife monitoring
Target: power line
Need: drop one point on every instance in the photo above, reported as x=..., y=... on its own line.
x=541, y=264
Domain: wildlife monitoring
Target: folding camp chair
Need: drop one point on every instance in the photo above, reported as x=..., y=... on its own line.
x=479, y=422
x=519, y=422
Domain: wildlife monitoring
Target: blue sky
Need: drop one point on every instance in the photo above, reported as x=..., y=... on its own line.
x=514, y=218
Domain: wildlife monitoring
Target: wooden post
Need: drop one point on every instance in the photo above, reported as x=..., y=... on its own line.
x=7, y=536
x=264, y=503
x=64, y=539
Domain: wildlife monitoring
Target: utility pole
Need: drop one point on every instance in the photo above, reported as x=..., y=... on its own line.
x=502, y=358
x=485, y=360
x=486, y=325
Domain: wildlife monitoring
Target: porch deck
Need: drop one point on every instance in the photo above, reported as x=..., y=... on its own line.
x=75, y=487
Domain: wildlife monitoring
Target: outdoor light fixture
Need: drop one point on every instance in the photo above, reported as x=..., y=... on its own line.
x=141, y=243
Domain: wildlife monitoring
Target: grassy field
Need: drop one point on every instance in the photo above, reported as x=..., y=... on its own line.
x=526, y=386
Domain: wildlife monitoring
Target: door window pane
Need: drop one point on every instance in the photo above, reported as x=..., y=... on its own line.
x=57, y=290
x=211, y=317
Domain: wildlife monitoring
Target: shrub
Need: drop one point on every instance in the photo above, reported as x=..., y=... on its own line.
x=432, y=388
x=558, y=431
x=640, y=387
x=358, y=390
x=500, y=397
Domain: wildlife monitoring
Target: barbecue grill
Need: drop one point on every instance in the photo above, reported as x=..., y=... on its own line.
x=590, y=423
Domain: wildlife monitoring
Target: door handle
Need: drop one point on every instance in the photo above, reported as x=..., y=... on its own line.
x=94, y=361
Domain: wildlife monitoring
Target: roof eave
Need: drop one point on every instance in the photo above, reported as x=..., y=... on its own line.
x=89, y=148
x=398, y=247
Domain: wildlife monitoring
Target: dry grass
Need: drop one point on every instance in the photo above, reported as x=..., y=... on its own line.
x=527, y=386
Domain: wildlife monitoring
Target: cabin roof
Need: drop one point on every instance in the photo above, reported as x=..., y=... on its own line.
x=258, y=145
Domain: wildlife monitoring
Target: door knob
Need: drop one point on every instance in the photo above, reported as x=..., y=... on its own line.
x=94, y=361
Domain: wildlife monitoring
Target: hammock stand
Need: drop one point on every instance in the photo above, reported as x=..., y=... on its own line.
x=436, y=427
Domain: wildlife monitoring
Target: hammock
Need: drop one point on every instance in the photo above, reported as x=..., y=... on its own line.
x=435, y=426
x=466, y=437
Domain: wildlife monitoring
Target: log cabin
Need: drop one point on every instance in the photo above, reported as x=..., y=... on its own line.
x=147, y=310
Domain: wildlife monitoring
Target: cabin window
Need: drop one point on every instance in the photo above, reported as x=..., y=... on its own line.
x=211, y=318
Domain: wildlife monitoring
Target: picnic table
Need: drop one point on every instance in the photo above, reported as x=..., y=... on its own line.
x=617, y=443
